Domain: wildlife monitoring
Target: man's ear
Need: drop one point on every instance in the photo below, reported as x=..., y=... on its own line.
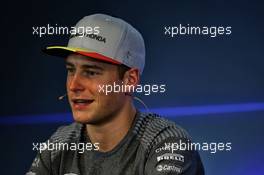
x=131, y=77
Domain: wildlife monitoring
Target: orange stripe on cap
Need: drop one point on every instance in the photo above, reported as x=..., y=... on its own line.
x=98, y=56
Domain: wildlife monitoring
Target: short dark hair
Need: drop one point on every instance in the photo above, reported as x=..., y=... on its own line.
x=122, y=70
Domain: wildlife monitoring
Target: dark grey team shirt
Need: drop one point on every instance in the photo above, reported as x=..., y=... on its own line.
x=147, y=149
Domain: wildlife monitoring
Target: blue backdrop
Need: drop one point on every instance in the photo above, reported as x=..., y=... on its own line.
x=214, y=86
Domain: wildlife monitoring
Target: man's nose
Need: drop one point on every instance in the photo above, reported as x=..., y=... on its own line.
x=75, y=84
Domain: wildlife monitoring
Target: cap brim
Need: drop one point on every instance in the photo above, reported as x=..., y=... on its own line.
x=62, y=51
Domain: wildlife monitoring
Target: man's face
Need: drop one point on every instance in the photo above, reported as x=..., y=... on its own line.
x=85, y=75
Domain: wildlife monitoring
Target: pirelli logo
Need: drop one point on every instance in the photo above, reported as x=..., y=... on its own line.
x=171, y=156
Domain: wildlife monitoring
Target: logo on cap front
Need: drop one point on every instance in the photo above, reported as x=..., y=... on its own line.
x=91, y=36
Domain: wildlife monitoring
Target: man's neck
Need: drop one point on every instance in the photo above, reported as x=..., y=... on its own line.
x=111, y=133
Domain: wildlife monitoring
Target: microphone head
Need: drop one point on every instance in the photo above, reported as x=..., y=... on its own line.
x=62, y=97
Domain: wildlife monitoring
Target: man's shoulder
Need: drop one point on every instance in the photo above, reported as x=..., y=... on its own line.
x=67, y=133
x=152, y=129
x=64, y=135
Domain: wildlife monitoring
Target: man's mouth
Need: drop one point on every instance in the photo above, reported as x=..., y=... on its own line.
x=80, y=104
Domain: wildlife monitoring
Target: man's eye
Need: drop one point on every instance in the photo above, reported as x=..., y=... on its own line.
x=70, y=70
x=90, y=73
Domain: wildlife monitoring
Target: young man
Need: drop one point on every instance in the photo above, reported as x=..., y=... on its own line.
x=118, y=139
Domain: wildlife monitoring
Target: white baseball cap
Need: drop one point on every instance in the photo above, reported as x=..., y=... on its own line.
x=113, y=40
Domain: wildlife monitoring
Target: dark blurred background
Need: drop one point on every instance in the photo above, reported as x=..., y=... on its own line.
x=214, y=86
